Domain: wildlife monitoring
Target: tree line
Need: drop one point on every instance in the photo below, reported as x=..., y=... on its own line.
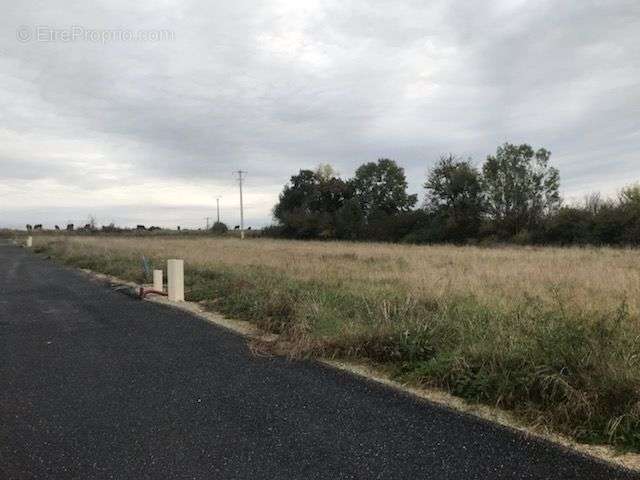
x=513, y=197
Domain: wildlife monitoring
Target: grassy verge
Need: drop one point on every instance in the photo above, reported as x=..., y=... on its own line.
x=546, y=359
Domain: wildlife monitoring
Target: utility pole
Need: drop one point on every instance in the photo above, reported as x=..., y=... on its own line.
x=207, y=218
x=240, y=174
x=218, y=207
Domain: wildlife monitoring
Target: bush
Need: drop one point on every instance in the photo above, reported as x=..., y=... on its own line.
x=273, y=231
x=570, y=226
x=219, y=228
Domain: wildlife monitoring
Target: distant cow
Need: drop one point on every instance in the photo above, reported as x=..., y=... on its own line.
x=70, y=227
x=237, y=227
x=38, y=226
x=141, y=227
x=57, y=227
x=249, y=228
x=153, y=228
x=29, y=227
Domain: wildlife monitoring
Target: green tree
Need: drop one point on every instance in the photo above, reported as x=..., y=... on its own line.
x=570, y=226
x=308, y=205
x=629, y=204
x=630, y=197
x=350, y=221
x=325, y=171
x=521, y=187
x=455, y=198
x=296, y=195
x=219, y=228
x=382, y=186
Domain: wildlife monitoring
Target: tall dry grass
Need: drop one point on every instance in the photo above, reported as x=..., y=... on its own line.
x=585, y=278
x=553, y=334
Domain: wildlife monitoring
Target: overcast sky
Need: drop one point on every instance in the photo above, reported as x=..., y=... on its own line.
x=139, y=111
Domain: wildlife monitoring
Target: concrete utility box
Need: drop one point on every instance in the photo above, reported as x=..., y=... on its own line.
x=175, y=280
x=157, y=280
x=29, y=242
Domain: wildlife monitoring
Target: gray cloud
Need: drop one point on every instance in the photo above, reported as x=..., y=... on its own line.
x=125, y=129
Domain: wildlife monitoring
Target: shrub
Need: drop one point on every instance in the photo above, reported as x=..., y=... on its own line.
x=219, y=228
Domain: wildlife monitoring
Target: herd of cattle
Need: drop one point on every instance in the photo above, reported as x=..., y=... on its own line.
x=89, y=227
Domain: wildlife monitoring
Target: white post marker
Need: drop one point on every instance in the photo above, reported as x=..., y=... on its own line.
x=175, y=280
x=29, y=242
x=157, y=280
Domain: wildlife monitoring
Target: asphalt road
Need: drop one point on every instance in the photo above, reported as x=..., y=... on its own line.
x=94, y=384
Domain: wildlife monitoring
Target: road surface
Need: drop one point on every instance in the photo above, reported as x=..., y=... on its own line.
x=94, y=384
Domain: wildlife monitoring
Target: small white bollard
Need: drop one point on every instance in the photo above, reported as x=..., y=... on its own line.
x=29, y=242
x=175, y=280
x=157, y=280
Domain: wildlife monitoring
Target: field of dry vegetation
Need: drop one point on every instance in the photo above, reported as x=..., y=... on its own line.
x=551, y=334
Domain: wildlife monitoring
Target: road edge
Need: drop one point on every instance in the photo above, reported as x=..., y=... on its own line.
x=601, y=453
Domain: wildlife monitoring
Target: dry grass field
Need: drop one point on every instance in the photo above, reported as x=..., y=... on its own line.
x=551, y=334
x=586, y=278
